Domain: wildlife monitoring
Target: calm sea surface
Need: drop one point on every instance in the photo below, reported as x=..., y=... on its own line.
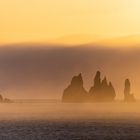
x=53, y=120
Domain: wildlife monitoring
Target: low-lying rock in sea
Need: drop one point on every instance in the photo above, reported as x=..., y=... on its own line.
x=4, y=100
x=1, y=98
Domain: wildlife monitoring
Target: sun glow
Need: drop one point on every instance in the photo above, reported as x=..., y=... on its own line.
x=132, y=10
x=42, y=20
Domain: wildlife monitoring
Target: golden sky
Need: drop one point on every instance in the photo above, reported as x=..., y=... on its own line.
x=41, y=20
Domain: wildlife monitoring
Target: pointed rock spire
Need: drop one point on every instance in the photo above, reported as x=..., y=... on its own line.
x=75, y=92
x=104, y=83
x=128, y=97
x=111, y=91
x=101, y=91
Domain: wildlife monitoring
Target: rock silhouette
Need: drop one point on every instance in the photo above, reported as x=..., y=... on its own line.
x=111, y=91
x=96, y=88
x=128, y=97
x=1, y=98
x=101, y=90
x=75, y=92
x=4, y=100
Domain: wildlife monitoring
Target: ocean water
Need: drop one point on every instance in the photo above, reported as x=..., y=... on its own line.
x=45, y=120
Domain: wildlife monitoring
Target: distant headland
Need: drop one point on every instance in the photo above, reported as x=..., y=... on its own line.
x=101, y=91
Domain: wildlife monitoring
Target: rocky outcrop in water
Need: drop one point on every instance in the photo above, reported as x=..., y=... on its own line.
x=4, y=100
x=75, y=92
x=101, y=90
x=128, y=96
x=1, y=98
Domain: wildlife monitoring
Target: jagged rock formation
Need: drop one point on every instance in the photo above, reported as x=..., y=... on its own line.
x=111, y=91
x=128, y=97
x=101, y=90
x=75, y=92
x=96, y=88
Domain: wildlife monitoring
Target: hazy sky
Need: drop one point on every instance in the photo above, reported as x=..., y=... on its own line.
x=45, y=73
x=39, y=20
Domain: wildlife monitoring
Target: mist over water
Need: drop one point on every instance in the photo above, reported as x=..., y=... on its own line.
x=68, y=111
x=44, y=73
x=56, y=120
x=77, y=78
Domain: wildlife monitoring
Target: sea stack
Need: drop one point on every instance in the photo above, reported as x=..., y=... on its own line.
x=75, y=92
x=128, y=96
x=95, y=90
x=101, y=90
